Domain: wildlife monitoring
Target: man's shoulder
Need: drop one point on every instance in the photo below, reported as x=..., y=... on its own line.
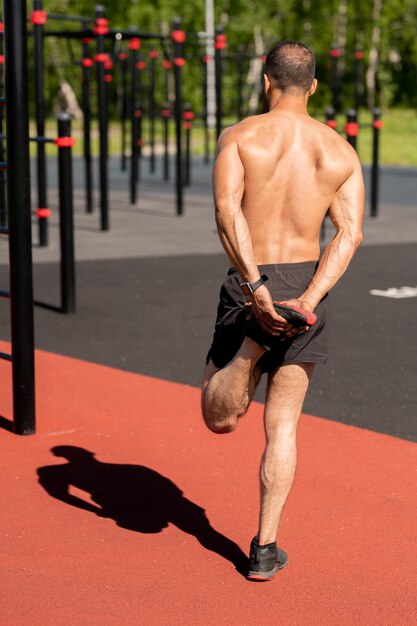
x=240, y=129
x=330, y=134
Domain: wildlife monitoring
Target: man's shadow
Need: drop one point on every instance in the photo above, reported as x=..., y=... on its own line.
x=135, y=497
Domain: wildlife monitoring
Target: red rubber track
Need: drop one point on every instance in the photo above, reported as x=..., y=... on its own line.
x=349, y=526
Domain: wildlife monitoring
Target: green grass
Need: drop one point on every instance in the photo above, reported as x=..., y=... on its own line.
x=397, y=139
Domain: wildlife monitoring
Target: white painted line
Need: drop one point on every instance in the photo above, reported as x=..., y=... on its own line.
x=395, y=292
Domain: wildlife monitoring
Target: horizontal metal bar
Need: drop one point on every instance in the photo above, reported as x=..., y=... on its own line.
x=4, y=231
x=5, y=357
x=82, y=34
x=68, y=18
x=3, y=165
x=4, y=294
x=42, y=139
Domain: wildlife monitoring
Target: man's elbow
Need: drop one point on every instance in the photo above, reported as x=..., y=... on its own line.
x=357, y=239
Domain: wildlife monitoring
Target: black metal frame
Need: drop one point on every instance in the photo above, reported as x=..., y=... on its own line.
x=40, y=126
x=19, y=214
x=178, y=60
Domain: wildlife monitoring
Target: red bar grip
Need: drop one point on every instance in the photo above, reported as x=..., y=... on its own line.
x=39, y=18
x=187, y=125
x=100, y=30
x=378, y=124
x=207, y=59
x=138, y=113
x=220, y=42
x=102, y=57
x=335, y=52
x=179, y=62
x=108, y=64
x=153, y=54
x=166, y=64
x=43, y=213
x=134, y=44
x=188, y=115
x=141, y=65
x=122, y=56
x=108, y=78
x=331, y=123
x=64, y=142
x=359, y=54
x=101, y=26
x=1, y=59
x=87, y=40
x=178, y=36
x=166, y=113
x=87, y=62
x=352, y=129
x=1, y=27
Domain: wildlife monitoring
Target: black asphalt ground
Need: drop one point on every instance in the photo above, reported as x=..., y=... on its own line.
x=147, y=296
x=155, y=316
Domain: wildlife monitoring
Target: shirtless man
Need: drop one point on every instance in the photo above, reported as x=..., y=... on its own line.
x=275, y=177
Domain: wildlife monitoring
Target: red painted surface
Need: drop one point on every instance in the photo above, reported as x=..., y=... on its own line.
x=349, y=527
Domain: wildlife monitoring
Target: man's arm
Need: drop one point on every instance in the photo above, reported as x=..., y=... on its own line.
x=228, y=183
x=346, y=213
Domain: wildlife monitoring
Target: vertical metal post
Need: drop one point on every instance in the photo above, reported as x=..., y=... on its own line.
x=87, y=63
x=123, y=107
x=134, y=45
x=205, y=61
x=188, y=116
x=331, y=118
x=38, y=20
x=3, y=208
x=210, y=70
x=66, y=213
x=153, y=55
x=178, y=37
x=141, y=67
x=335, y=54
x=100, y=29
x=358, y=78
x=18, y=196
x=108, y=80
x=166, y=115
x=219, y=45
x=375, y=172
x=352, y=127
x=239, y=85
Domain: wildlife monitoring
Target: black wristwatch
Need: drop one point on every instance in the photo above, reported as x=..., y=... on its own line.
x=249, y=288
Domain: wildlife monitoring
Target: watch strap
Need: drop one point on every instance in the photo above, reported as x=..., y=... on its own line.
x=249, y=288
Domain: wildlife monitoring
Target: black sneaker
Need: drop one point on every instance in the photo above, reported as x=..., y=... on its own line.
x=265, y=561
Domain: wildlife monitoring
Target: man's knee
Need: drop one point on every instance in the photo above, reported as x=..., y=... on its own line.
x=219, y=424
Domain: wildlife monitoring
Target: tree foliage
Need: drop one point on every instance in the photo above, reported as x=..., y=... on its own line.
x=319, y=23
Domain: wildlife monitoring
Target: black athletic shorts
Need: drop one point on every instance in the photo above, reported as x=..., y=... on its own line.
x=285, y=281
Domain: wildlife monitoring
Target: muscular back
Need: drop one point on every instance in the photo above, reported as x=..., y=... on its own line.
x=293, y=167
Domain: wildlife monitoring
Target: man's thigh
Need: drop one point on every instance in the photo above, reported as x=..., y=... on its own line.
x=286, y=390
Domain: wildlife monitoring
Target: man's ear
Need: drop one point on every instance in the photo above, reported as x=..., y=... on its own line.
x=267, y=84
x=313, y=87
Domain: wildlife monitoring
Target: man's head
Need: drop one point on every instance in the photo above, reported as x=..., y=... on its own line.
x=290, y=68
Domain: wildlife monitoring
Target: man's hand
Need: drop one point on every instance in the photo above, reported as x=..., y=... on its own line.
x=301, y=304
x=263, y=309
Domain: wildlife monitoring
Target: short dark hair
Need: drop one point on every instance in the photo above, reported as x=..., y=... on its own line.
x=291, y=64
